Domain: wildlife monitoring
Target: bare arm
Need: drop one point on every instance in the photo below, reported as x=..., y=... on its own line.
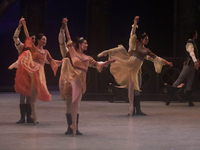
x=61, y=38
x=66, y=29
x=25, y=28
x=134, y=26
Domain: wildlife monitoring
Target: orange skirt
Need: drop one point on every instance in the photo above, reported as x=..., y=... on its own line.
x=27, y=68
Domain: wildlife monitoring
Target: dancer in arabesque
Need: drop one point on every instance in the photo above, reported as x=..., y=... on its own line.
x=127, y=65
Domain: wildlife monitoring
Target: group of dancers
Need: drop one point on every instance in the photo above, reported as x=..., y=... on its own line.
x=30, y=81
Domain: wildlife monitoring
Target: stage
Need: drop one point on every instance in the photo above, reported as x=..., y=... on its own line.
x=104, y=125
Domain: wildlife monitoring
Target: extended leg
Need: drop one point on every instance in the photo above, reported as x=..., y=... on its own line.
x=185, y=71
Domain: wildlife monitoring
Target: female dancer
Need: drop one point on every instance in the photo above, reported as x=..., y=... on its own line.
x=30, y=77
x=126, y=68
x=73, y=76
x=25, y=107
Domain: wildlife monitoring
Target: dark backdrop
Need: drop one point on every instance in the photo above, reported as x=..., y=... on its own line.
x=104, y=23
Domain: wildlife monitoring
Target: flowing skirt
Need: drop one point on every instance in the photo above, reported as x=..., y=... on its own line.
x=27, y=68
x=68, y=73
x=124, y=66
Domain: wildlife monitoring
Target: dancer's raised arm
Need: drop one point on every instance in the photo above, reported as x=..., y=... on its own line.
x=66, y=29
x=18, y=44
x=25, y=28
x=134, y=26
x=62, y=42
x=133, y=37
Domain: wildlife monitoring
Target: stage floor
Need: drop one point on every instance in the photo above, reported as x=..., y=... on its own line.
x=104, y=125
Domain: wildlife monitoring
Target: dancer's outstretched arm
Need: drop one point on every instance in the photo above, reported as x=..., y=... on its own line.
x=18, y=44
x=72, y=51
x=133, y=37
x=66, y=29
x=134, y=26
x=62, y=42
x=25, y=28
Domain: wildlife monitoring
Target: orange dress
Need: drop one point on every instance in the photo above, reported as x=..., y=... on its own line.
x=77, y=69
x=31, y=63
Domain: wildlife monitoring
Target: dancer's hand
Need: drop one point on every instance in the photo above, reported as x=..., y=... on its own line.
x=20, y=24
x=136, y=19
x=63, y=24
x=112, y=60
x=168, y=63
x=65, y=20
x=22, y=20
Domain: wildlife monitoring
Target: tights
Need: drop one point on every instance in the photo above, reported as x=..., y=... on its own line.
x=24, y=99
x=76, y=98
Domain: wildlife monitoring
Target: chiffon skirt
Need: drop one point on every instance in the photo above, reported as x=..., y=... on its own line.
x=68, y=74
x=125, y=66
x=27, y=68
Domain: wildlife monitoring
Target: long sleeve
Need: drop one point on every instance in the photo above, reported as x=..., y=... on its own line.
x=95, y=64
x=54, y=63
x=132, y=41
x=61, y=38
x=18, y=44
x=158, y=64
x=158, y=61
x=190, y=49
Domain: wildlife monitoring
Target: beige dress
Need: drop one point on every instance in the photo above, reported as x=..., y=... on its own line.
x=126, y=65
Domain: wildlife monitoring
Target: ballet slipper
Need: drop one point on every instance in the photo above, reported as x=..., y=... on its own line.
x=34, y=119
x=130, y=110
x=73, y=127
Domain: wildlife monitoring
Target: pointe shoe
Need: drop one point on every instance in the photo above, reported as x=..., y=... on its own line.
x=104, y=53
x=73, y=127
x=130, y=111
x=34, y=119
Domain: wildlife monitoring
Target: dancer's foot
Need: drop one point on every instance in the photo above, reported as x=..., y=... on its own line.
x=34, y=119
x=191, y=104
x=133, y=113
x=140, y=113
x=22, y=120
x=130, y=110
x=73, y=127
x=104, y=53
x=69, y=131
x=78, y=132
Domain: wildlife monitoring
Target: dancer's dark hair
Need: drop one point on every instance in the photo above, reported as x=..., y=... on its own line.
x=78, y=40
